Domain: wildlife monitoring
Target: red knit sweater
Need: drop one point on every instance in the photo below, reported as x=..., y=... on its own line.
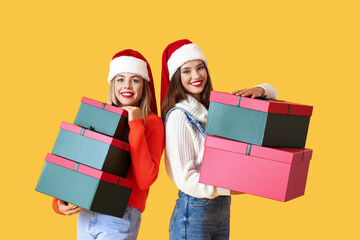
x=146, y=147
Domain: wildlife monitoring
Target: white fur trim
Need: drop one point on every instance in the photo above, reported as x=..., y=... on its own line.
x=184, y=54
x=129, y=65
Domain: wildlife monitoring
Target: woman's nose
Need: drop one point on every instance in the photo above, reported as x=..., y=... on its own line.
x=127, y=84
x=195, y=74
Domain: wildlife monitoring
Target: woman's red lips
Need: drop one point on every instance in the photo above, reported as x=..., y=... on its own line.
x=127, y=94
x=196, y=83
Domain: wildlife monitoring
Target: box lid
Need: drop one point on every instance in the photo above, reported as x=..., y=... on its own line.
x=270, y=106
x=94, y=135
x=105, y=106
x=286, y=155
x=92, y=172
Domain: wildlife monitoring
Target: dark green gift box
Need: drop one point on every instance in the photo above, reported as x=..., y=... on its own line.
x=257, y=121
x=103, y=118
x=93, y=149
x=84, y=186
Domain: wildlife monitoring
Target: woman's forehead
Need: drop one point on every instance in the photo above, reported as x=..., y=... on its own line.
x=128, y=74
x=192, y=63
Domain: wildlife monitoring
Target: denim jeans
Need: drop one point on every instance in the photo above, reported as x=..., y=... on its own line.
x=200, y=218
x=93, y=225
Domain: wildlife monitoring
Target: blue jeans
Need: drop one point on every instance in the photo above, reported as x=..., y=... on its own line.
x=200, y=218
x=93, y=225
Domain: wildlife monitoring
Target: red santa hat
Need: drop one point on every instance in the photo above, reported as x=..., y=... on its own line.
x=131, y=61
x=174, y=56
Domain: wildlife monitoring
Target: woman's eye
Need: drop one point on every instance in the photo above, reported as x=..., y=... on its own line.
x=186, y=71
x=120, y=80
x=200, y=68
x=135, y=80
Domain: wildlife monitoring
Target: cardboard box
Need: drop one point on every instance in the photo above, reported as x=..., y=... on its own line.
x=275, y=173
x=84, y=186
x=93, y=149
x=256, y=121
x=103, y=118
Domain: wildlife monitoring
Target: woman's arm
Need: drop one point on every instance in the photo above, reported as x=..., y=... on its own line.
x=258, y=91
x=180, y=158
x=146, y=147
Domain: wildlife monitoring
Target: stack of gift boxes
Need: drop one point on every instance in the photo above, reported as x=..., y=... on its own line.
x=90, y=160
x=256, y=146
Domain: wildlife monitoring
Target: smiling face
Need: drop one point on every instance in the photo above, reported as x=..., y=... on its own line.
x=193, y=77
x=128, y=89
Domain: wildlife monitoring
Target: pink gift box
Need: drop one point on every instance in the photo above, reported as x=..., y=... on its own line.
x=275, y=173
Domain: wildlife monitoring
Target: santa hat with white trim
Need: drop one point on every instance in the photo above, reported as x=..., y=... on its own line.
x=131, y=61
x=174, y=56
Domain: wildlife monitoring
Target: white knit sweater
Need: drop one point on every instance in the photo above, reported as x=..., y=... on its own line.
x=184, y=148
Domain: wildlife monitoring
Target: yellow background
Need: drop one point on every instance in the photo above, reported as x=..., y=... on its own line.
x=55, y=52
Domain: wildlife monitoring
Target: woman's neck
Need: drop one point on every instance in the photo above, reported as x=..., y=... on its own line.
x=196, y=96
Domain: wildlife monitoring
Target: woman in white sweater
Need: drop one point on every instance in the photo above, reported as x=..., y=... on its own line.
x=202, y=211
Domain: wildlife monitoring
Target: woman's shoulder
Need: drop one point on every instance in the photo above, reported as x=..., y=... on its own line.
x=176, y=117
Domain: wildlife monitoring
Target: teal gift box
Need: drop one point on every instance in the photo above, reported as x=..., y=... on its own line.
x=261, y=122
x=93, y=149
x=103, y=118
x=84, y=186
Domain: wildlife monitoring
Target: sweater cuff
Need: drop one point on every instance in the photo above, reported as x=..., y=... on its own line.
x=270, y=91
x=223, y=191
x=55, y=206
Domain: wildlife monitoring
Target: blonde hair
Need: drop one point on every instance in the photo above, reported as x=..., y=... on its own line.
x=145, y=99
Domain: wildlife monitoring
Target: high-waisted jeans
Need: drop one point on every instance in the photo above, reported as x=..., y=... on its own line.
x=200, y=218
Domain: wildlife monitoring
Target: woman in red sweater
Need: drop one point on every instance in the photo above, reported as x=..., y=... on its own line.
x=132, y=88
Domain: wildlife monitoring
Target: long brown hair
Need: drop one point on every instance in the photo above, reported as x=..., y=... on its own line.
x=176, y=92
x=144, y=103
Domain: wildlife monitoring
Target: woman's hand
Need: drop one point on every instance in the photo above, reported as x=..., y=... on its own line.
x=133, y=112
x=68, y=209
x=253, y=92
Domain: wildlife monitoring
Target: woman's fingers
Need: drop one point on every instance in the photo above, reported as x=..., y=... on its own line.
x=73, y=211
x=253, y=92
x=129, y=108
x=256, y=94
x=68, y=209
x=239, y=92
x=243, y=92
x=247, y=93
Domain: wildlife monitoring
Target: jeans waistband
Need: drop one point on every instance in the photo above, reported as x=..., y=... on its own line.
x=183, y=195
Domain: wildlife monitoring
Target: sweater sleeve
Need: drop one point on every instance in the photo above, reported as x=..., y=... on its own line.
x=270, y=91
x=181, y=144
x=146, y=147
x=55, y=206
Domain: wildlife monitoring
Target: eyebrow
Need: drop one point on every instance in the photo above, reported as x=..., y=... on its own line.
x=135, y=76
x=195, y=67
